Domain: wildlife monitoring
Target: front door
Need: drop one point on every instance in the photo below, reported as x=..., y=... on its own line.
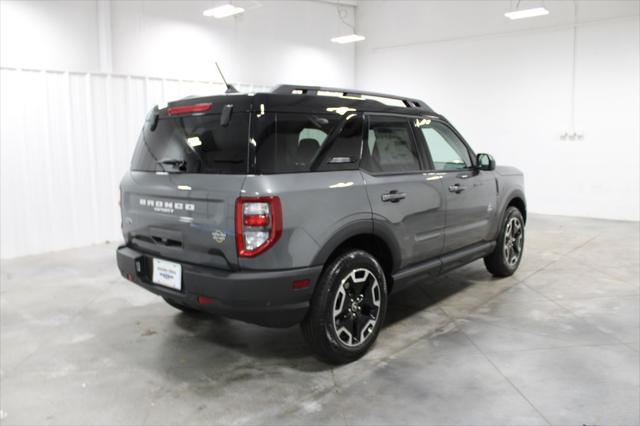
x=470, y=194
x=405, y=199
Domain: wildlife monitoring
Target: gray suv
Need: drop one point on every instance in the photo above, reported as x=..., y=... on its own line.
x=310, y=205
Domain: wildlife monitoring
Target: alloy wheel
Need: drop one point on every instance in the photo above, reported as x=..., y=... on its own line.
x=513, y=239
x=356, y=307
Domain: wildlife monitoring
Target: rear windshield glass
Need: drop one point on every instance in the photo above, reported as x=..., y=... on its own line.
x=194, y=144
x=294, y=142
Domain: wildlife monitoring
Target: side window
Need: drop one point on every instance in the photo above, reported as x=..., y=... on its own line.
x=288, y=142
x=343, y=151
x=448, y=152
x=309, y=142
x=390, y=146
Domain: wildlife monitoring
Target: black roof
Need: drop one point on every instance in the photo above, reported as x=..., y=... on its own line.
x=291, y=98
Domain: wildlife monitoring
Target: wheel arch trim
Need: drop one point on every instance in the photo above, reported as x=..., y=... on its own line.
x=355, y=229
x=516, y=194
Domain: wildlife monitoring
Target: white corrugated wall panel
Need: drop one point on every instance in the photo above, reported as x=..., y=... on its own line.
x=66, y=139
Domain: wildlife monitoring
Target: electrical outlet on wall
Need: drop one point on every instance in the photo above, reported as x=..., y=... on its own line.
x=572, y=136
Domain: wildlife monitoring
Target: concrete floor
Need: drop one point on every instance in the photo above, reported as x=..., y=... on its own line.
x=555, y=344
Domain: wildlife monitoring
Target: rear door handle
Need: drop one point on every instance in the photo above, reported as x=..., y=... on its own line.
x=457, y=188
x=393, y=196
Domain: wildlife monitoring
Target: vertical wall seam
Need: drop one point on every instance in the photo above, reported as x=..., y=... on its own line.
x=92, y=157
x=70, y=170
x=51, y=231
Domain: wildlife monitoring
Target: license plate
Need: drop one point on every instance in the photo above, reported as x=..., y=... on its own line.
x=167, y=274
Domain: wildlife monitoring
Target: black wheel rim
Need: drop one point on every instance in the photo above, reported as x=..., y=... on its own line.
x=356, y=307
x=513, y=241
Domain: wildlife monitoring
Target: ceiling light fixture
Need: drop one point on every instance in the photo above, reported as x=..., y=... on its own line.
x=527, y=13
x=223, y=11
x=343, y=13
x=350, y=38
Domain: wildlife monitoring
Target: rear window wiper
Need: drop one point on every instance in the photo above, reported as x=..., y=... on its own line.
x=179, y=165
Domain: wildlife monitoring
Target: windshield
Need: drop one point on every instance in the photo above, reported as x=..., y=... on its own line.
x=193, y=144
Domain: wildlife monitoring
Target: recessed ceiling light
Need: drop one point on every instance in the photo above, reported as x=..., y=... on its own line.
x=527, y=13
x=351, y=38
x=223, y=11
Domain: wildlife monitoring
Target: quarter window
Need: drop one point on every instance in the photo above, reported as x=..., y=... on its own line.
x=448, y=152
x=390, y=147
x=297, y=142
x=288, y=143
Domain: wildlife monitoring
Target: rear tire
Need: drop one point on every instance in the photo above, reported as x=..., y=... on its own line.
x=506, y=257
x=180, y=307
x=347, y=308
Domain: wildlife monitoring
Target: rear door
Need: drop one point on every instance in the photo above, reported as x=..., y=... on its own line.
x=470, y=193
x=178, y=200
x=406, y=201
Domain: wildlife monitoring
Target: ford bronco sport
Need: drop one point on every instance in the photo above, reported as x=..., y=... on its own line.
x=310, y=205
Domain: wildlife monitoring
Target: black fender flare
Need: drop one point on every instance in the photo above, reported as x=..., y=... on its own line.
x=360, y=227
x=516, y=193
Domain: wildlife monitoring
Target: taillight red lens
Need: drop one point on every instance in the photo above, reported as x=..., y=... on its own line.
x=258, y=224
x=189, y=109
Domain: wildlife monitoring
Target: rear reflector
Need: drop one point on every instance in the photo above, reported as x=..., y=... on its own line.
x=300, y=284
x=189, y=109
x=204, y=300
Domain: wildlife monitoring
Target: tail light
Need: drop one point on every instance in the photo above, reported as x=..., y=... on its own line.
x=258, y=224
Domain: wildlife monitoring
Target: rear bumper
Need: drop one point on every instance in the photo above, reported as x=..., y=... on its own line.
x=260, y=297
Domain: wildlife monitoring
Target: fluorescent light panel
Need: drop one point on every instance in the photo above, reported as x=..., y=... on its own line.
x=351, y=38
x=527, y=13
x=223, y=11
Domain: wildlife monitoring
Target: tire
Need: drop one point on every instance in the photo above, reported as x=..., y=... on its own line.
x=506, y=257
x=347, y=308
x=181, y=307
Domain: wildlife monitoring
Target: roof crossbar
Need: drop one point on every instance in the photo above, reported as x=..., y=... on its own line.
x=290, y=89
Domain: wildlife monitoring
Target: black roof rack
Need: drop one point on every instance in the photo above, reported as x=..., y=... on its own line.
x=290, y=89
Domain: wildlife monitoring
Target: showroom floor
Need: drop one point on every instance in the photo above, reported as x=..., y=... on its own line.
x=555, y=344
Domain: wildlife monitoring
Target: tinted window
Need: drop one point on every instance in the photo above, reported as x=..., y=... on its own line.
x=448, y=152
x=344, y=150
x=390, y=146
x=199, y=142
x=288, y=143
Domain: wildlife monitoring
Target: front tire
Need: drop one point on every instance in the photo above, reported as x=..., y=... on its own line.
x=506, y=257
x=347, y=308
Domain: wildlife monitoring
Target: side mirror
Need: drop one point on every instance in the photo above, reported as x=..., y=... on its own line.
x=486, y=162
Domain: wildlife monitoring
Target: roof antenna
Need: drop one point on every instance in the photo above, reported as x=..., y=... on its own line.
x=230, y=88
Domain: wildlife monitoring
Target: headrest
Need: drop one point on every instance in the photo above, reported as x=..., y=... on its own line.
x=307, y=148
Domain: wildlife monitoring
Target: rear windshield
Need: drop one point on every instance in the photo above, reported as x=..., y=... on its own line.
x=194, y=144
x=276, y=143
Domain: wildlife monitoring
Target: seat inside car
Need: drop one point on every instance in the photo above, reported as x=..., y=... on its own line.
x=307, y=149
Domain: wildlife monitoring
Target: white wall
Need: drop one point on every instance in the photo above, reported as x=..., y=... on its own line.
x=272, y=42
x=49, y=34
x=279, y=42
x=506, y=85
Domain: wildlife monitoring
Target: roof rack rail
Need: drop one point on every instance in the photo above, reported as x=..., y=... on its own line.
x=290, y=89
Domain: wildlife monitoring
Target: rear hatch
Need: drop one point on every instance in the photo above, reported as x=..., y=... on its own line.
x=178, y=200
